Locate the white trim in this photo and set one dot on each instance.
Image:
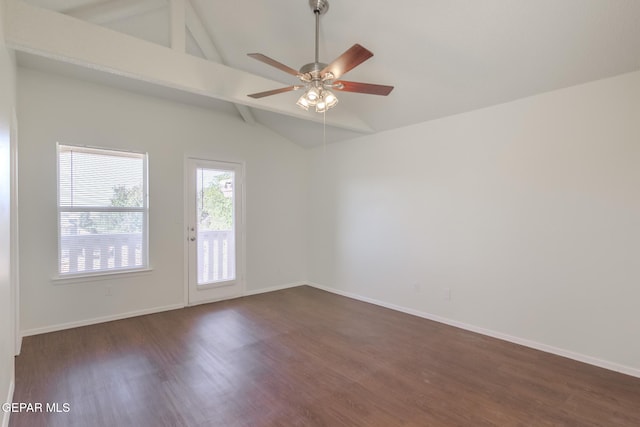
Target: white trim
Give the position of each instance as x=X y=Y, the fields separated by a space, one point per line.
x=243 y=228
x=185 y=224
x=144 y=209
x=273 y=288
x=191 y=163
x=99 y=150
x=95 y=320
x=105 y=275
x=18 y=343
x=634 y=372
x=6 y=415
x=14 y=267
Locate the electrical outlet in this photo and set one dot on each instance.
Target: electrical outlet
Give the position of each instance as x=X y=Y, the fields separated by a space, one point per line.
x=446 y=294
x=108 y=291
x=417 y=287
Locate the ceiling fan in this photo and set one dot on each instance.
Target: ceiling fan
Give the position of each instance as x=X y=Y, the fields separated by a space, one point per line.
x=318 y=79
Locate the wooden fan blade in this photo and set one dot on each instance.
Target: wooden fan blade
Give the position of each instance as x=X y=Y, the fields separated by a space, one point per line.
x=362 y=88
x=353 y=57
x=273 y=63
x=274 y=92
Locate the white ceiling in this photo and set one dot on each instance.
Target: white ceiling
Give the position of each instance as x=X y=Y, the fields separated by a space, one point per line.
x=444 y=57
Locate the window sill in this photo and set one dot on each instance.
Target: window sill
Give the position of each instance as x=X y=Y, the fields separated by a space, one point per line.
x=109 y=275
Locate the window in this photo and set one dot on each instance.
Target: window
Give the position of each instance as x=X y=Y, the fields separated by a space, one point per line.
x=102 y=210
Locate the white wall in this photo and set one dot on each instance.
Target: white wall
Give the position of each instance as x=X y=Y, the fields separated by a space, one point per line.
x=57 y=109
x=7 y=298
x=529 y=212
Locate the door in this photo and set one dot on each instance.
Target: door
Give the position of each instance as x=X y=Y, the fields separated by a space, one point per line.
x=215 y=230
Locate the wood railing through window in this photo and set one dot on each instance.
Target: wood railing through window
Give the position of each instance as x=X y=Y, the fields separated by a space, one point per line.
x=90 y=253
x=216 y=256
x=93 y=253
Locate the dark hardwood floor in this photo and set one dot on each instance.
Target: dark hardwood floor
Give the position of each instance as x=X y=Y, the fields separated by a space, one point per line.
x=307 y=357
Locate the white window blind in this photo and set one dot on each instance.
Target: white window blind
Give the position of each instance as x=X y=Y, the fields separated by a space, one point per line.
x=102 y=210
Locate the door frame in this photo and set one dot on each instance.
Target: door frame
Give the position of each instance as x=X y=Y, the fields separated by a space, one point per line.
x=241 y=233
x=14 y=267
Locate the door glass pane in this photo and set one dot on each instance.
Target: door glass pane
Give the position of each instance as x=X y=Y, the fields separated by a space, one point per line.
x=215 y=191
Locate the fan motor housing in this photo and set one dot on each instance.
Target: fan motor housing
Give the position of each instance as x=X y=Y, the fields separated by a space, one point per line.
x=319 y=6
x=313 y=68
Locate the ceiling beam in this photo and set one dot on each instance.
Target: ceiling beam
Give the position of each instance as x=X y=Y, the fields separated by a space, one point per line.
x=182 y=14
x=63 y=38
x=177 y=25
x=246 y=114
x=202 y=37
x=114 y=10
x=205 y=42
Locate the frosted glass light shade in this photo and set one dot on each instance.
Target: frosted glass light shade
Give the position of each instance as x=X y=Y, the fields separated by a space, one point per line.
x=330 y=99
x=313 y=95
x=321 y=106
x=320 y=98
x=303 y=103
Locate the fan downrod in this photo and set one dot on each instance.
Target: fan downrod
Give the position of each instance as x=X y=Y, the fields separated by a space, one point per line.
x=319 y=6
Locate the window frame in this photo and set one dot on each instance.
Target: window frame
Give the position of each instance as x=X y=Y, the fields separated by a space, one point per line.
x=145 y=266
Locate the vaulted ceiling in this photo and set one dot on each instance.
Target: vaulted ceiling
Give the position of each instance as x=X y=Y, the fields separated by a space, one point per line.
x=444 y=57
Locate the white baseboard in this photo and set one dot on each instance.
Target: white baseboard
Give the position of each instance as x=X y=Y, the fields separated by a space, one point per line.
x=93 y=321
x=273 y=288
x=6 y=415
x=499 y=335
x=494 y=334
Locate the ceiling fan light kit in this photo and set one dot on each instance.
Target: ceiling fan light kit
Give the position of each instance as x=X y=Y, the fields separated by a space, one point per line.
x=317 y=78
